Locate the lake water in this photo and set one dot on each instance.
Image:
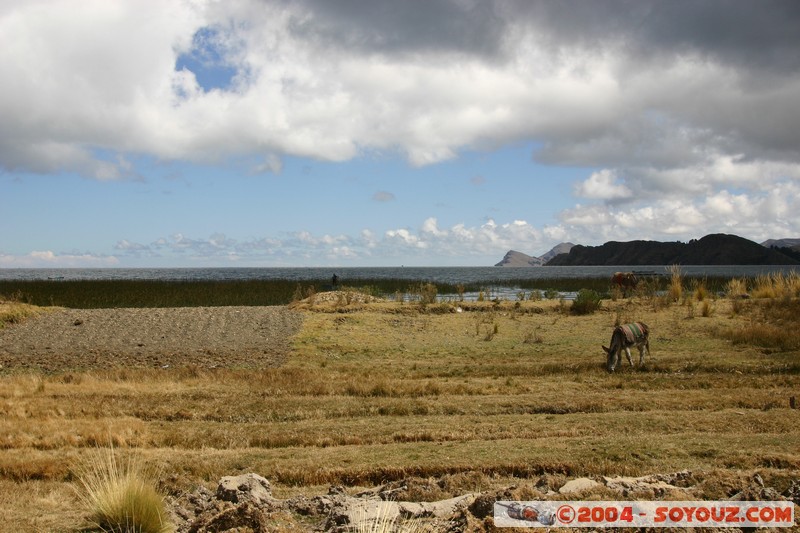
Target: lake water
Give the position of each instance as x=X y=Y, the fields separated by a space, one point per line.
x=499 y=281
x=490 y=275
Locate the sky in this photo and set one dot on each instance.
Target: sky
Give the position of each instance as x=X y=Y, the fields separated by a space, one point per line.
x=210 y=133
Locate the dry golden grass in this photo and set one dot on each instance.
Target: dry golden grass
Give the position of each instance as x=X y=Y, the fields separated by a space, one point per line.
x=383 y=391
x=120 y=495
x=12 y=312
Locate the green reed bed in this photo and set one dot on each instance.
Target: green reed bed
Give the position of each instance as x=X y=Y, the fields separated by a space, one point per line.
x=95 y=294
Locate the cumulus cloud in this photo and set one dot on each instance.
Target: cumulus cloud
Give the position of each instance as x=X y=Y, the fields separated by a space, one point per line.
x=598 y=82
x=676 y=108
x=394 y=246
x=50 y=259
x=757 y=214
x=603 y=185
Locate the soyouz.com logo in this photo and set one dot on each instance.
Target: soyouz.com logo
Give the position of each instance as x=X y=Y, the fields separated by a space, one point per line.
x=643 y=514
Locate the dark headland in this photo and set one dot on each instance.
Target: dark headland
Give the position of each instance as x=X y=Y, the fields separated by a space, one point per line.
x=715 y=249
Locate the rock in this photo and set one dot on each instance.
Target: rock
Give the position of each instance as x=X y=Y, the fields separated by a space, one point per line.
x=793 y=492
x=627 y=485
x=245 y=488
x=235 y=518
x=350 y=513
x=579 y=485
x=483 y=505
x=440 y=509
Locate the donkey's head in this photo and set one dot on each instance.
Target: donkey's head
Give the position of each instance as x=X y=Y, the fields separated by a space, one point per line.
x=612 y=357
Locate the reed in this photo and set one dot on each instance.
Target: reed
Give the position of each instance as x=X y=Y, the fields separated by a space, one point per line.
x=95 y=294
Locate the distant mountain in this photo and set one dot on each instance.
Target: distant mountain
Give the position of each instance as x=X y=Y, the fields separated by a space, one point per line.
x=558 y=249
x=790 y=247
x=782 y=243
x=716 y=249
x=519 y=259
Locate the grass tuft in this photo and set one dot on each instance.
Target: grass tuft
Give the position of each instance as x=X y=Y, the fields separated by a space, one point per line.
x=14 y=312
x=675 y=290
x=121 y=497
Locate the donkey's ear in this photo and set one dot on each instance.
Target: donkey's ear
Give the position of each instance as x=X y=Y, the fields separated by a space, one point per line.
x=605 y=349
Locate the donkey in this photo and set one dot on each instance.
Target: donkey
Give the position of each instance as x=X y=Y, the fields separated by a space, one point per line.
x=624 y=338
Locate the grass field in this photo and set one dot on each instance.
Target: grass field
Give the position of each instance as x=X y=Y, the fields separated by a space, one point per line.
x=497 y=394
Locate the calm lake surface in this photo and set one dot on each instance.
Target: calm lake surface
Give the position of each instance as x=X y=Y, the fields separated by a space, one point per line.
x=493 y=275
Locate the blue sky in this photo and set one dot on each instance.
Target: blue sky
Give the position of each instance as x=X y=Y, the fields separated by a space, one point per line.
x=445 y=132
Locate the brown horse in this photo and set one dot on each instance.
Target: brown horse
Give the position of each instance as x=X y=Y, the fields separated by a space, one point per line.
x=624 y=281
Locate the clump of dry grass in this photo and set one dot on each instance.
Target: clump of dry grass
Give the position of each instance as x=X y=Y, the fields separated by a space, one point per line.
x=13 y=312
x=775 y=325
x=121 y=497
x=736 y=288
x=701 y=292
x=386 y=519
x=777 y=285
x=675 y=290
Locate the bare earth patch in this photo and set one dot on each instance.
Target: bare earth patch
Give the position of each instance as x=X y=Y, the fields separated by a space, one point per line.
x=71 y=339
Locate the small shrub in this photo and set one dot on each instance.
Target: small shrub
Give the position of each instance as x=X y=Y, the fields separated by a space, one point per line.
x=460 y=289
x=551 y=294
x=586 y=303
x=426 y=292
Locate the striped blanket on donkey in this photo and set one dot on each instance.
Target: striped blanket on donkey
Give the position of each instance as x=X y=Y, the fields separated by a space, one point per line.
x=624 y=338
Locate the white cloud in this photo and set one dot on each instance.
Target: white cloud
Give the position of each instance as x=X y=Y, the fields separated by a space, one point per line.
x=603 y=185
x=50 y=259
x=78 y=77
x=683 y=130
x=757 y=214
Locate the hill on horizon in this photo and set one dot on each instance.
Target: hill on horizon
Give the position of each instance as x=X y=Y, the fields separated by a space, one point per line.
x=715 y=249
x=514 y=258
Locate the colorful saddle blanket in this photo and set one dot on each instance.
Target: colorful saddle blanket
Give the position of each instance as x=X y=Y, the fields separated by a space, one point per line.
x=634 y=332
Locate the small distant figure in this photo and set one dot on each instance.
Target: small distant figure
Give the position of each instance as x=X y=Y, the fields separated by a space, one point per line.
x=334 y=282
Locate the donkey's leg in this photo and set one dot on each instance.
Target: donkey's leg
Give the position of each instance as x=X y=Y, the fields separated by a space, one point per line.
x=628 y=355
x=641 y=354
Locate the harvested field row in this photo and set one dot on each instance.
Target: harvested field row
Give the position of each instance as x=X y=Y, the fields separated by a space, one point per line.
x=376 y=393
